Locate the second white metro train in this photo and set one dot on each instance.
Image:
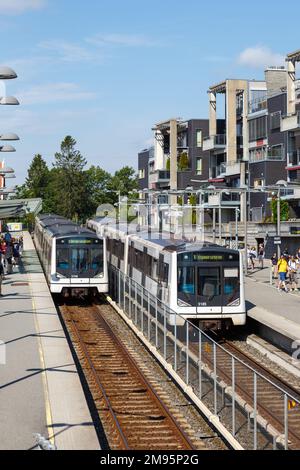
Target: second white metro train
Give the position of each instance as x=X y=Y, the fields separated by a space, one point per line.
x=201 y=282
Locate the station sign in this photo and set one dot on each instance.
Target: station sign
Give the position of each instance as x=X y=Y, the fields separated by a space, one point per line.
x=15 y=227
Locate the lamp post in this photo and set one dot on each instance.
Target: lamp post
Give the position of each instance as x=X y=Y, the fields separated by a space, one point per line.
x=279 y=184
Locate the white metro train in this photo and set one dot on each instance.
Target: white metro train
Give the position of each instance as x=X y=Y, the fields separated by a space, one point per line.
x=201 y=282
x=73 y=258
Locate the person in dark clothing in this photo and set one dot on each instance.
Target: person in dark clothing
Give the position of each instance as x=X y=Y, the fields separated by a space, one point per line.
x=1 y=278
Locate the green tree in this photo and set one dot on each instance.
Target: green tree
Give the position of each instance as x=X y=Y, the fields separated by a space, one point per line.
x=70 y=182
x=37 y=180
x=38 y=177
x=124 y=181
x=284 y=210
x=98 y=181
x=184 y=162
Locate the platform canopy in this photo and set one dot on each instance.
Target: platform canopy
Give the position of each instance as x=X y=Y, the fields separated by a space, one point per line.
x=19 y=207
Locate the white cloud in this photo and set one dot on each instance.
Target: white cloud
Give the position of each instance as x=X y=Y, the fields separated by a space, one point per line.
x=69 y=52
x=125 y=40
x=260 y=56
x=16 y=7
x=53 y=93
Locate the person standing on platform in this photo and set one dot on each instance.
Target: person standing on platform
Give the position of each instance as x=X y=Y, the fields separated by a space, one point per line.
x=274 y=261
x=1 y=278
x=16 y=253
x=261 y=255
x=282 y=266
x=9 y=256
x=293 y=268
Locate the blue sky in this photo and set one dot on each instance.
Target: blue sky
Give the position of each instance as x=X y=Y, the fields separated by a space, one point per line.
x=106 y=71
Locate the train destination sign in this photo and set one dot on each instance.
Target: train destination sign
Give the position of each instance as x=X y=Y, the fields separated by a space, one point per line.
x=203 y=257
x=78 y=241
x=208 y=257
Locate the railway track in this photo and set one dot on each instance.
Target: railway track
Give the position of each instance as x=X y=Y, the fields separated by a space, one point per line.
x=269 y=399
x=132 y=413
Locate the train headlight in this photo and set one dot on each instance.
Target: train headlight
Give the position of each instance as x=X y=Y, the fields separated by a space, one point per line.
x=100 y=276
x=60 y=276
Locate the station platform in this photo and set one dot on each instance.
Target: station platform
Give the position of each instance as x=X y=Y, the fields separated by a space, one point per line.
x=40 y=389
x=277 y=313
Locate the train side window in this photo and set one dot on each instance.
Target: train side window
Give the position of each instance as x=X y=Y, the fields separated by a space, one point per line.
x=163 y=270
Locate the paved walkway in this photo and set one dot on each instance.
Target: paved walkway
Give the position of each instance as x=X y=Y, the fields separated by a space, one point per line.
x=40 y=390
x=280 y=310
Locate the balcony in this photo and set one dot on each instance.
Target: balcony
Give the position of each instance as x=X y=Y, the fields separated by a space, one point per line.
x=290 y=194
x=264 y=154
x=159 y=176
x=233 y=168
x=218 y=171
x=258 y=105
x=293 y=159
x=214 y=142
x=290 y=122
x=224 y=199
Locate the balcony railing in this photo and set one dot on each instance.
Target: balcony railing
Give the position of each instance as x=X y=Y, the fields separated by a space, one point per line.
x=261 y=155
x=218 y=171
x=258 y=105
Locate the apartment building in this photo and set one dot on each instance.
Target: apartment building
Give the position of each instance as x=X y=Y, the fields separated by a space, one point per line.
x=251 y=140
x=177 y=159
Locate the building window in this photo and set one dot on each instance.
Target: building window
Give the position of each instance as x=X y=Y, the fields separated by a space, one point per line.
x=199 y=166
x=141 y=174
x=275 y=119
x=259 y=183
x=199 y=138
x=276 y=152
x=258 y=128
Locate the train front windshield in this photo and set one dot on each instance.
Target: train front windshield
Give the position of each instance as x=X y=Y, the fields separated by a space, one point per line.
x=208 y=279
x=79 y=257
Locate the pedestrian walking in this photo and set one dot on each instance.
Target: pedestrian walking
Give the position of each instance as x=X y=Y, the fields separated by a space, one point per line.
x=293 y=273
x=282 y=266
x=261 y=255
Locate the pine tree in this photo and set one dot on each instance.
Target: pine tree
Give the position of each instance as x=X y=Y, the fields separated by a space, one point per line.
x=70 y=184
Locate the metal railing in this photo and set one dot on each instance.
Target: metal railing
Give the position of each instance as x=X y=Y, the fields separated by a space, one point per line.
x=257 y=105
x=218 y=139
x=211 y=372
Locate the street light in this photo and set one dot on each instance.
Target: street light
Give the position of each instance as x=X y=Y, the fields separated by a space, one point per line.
x=279 y=184
x=7 y=148
x=6 y=73
x=9 y=137
x=9 y=101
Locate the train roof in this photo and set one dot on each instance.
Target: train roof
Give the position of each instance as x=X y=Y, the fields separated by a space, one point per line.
x=179 y=245
x=61 y=227
x=161 y=239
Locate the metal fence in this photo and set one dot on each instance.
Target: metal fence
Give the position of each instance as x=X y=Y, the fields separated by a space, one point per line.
x=238 y=395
